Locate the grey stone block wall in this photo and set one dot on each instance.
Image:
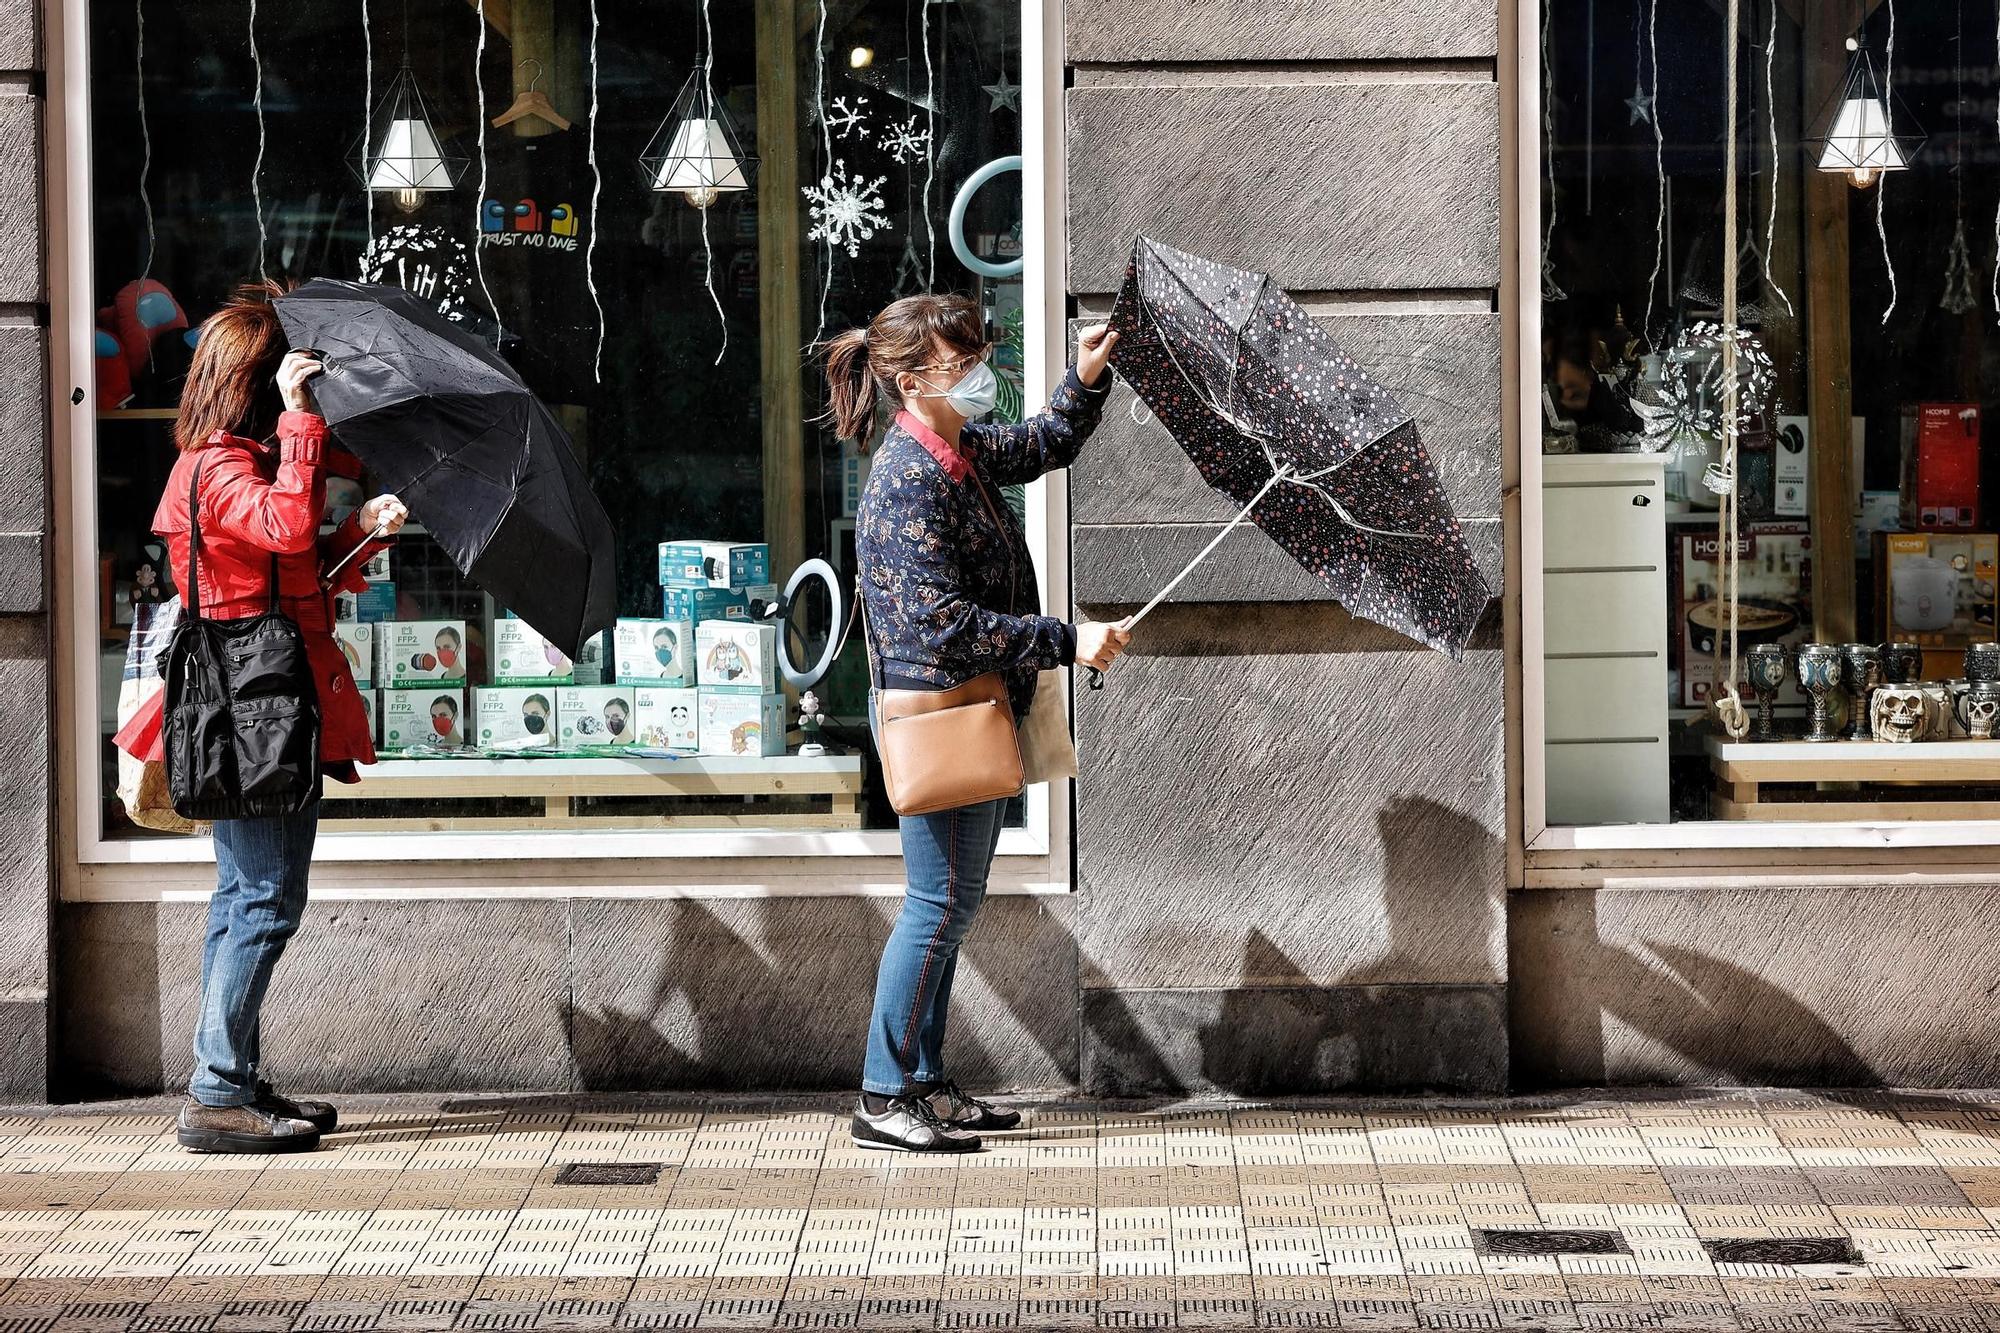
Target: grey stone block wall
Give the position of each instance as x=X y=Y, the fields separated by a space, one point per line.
x=27 y=808
x=1290 y=827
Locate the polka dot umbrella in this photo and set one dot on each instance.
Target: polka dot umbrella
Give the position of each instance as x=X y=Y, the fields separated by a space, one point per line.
x=1310 y=446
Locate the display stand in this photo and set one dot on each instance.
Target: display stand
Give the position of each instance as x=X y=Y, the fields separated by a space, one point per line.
x=696 y=782
x=1743 y=769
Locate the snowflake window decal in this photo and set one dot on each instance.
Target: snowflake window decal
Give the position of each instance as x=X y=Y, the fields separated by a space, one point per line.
x=906 y=141
x=847 y=122
x=846 y=210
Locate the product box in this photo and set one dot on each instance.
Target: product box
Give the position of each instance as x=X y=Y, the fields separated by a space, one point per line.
x=1940 y=476
x=593 y=662
x=669 y=716
x=521 y=656
x=372 y=607
x=371 y=708
x=509 y=715
x=699 y=564
x=736 y=656
x=589 y=715
x=376 y=567
x=1792 y=468
x=1774 y=606
x=423 y=717
x=741 y=724
x=343 y=496
x=695 y=605
x=654 y=651
x=1936 y=589
x=422 y=652
x=357 y=645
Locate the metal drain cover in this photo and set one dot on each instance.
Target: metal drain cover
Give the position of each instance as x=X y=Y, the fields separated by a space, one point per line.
x=610 y=1173
x=1791 y=1250
x=1486 y=1241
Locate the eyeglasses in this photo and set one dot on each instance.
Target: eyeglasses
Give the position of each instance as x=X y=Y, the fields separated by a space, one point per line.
x=964 y=362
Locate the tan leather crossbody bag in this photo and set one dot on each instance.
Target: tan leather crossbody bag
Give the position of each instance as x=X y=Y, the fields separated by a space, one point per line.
x=942 y=749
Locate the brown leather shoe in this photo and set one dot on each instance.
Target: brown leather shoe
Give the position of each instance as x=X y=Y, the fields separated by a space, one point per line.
x=247 y=1129
x=320 y=1115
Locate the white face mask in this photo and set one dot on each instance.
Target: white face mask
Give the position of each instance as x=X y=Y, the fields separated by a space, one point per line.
x=975 y=393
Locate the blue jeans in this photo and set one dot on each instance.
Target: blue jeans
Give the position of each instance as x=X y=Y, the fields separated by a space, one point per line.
x=946 y=857
x=260 y=896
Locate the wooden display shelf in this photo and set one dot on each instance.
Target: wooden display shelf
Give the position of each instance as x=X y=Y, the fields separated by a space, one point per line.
x=140 y=414
x=1744 y=768
x=557 y=783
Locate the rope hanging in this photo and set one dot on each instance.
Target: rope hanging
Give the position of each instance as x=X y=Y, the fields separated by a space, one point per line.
x=1729 y=708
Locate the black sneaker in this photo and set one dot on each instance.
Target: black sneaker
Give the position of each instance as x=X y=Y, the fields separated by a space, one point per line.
x=961 y=1110
x=910 y=1124
x=320 y=1115
x=242 y=1129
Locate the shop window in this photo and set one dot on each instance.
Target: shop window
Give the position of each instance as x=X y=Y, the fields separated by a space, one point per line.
x=1862 y=239
x=664 y=320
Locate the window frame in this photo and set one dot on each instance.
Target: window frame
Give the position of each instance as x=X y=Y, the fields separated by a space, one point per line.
x=1546 y=855
x=533 y=864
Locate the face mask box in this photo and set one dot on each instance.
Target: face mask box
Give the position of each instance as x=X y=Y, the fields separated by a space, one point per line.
x=371 y=607
x=357 y=645
x=422 y=717
x=655 y=651
x=669 y=717
x=740 y=658
x=695 y=605
x=375 y=568
x=742 y=724
x=731 y=565
x=423 y=652
x=521 y=656
x=590 y=715
x=593 y=662
x=507 y=714
x=371 y=709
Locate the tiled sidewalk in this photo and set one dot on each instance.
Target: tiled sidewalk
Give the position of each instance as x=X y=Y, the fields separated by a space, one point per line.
x=1375 y=1214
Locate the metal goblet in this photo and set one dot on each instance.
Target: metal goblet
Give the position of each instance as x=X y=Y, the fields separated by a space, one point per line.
x=1902 y=663
x=1861 y=673
x=1818 y=666
x=1766 y=672
x=1982 y=662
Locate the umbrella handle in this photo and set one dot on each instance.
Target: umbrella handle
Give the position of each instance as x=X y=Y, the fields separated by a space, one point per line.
x=1096 y=678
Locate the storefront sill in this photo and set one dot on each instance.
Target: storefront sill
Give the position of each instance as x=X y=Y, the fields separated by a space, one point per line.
x=378 y=880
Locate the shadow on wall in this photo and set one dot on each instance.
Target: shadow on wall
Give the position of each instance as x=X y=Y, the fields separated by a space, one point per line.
x=1369 y=1028
x=1728 y=1023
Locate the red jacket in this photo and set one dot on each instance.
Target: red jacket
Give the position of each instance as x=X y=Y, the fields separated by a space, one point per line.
x=255 y=501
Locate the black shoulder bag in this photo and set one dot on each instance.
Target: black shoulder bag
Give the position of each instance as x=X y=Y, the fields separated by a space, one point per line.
x=242 y=712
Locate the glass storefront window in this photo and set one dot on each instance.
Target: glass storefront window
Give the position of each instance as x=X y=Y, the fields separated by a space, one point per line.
x=1863 y=238
x=666 y=327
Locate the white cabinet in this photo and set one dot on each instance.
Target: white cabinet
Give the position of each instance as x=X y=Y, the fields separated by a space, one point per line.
x=1604 y=631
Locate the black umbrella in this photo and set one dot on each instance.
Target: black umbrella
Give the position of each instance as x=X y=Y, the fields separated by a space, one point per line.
x=1311 y=446
x=443 y=422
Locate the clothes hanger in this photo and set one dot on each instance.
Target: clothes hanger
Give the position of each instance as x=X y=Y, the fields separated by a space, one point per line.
x=533 y=102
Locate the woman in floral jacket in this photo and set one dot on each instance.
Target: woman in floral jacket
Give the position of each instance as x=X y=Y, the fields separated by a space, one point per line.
x=948 y=585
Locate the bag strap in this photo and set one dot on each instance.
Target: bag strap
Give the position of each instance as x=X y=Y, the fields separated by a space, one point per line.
x=875 y=676
x=193 y=599
x=1013 y=582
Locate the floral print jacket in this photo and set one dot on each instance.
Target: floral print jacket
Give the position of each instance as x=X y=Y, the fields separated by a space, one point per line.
x=947 y=580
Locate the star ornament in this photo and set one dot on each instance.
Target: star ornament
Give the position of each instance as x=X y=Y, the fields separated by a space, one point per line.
x=1640 y=104
x=1003 y=94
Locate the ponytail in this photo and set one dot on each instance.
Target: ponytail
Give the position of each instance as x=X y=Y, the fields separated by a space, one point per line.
x=862 y=364
x=850 y=385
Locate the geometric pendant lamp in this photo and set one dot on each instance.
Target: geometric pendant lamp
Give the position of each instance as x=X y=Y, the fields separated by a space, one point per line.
x=399 y=153
x=1865 y=129
x=696 y=150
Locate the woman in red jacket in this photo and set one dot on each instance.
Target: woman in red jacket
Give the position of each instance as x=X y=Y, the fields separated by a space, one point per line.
x=247 y=427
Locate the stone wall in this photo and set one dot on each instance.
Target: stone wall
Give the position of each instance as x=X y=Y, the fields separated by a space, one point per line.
x=1290 y=831
x=27 y=809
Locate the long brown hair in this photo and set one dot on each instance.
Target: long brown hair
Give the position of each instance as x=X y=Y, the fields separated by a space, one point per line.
x=862 y=364
x=231 y=383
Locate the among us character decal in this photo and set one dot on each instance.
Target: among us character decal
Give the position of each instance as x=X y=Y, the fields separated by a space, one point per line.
x=535 y=714
x=444 y=720
x=524 y=224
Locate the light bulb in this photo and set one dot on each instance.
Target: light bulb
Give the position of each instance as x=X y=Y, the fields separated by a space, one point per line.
x=409 y=200
x=861 y=57
x=1863 y=177
x=702 y=196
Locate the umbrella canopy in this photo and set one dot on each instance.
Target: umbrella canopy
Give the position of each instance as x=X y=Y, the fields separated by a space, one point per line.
x=1316 y=451
x=448 y=426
